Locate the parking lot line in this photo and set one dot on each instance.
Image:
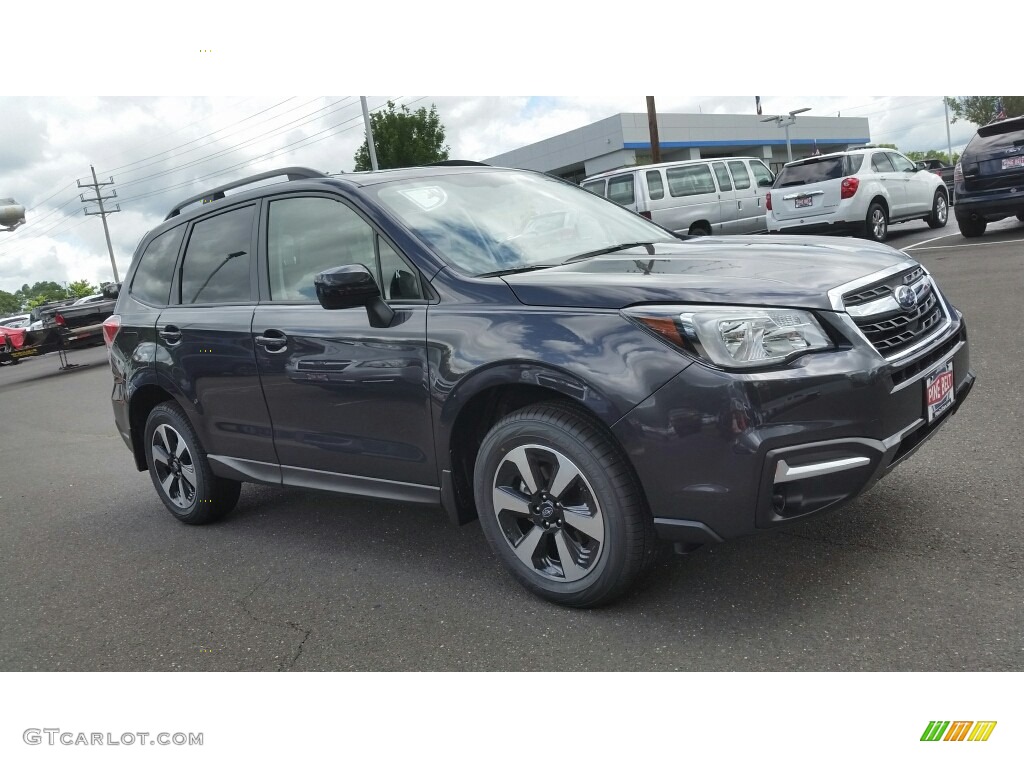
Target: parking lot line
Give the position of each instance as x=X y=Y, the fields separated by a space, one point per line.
x=932 y=240
x=969 y=245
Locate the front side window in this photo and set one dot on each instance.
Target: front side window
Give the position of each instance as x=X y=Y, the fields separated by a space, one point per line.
x=761 y=173
x=308 y=235
x=152 y=281
x=690 y=180
x=620 y=189
x=215 y=269
x=900 y=163
x=739 y=173
x=880 y=163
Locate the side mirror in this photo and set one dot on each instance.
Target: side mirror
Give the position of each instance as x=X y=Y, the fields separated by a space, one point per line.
x=111 y=290
x=353 y=286
x=765 y=182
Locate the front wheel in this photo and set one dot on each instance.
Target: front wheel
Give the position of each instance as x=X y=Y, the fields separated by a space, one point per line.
x=940 y=210
x=561 y=506
x=180 y=471
x=876 y=224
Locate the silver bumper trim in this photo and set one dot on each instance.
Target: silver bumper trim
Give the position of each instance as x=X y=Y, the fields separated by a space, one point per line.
x=786 y=474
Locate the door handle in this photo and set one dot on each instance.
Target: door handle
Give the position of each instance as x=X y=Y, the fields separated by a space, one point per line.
x=171 y=334
x=273 y=341
x=739 y=205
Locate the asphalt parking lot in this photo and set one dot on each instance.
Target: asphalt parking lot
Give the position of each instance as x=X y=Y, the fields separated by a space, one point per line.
x=922 y=573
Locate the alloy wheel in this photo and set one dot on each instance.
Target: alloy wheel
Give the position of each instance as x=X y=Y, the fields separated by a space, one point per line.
x=548 y=513
x=175 y=469
x=941 y=210
x=878 y=226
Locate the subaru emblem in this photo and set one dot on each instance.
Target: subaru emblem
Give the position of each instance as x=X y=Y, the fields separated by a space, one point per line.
x=906 y=297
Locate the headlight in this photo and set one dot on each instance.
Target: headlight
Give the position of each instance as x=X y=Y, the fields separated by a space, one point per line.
x=736 y=337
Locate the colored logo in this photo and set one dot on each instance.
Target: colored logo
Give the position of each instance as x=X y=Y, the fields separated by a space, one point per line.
x=958 y=730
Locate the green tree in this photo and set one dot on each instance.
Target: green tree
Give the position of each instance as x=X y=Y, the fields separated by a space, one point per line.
x=40 y=293
x=82 y=288
x=403 y=138
x=9 y=303
x=981 y=110
x=934 y=153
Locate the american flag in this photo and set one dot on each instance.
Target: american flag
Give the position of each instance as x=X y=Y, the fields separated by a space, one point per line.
x=1000 y=112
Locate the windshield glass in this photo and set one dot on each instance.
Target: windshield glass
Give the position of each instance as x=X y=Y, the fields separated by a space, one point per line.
x=506 y=220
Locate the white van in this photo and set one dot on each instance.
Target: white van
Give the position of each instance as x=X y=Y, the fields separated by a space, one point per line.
x=724 y=196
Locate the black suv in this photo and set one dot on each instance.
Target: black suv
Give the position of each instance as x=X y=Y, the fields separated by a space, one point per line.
x=511 y=346
x=989 y=179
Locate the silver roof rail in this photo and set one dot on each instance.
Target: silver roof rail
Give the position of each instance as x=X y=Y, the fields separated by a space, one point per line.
x=217 y=193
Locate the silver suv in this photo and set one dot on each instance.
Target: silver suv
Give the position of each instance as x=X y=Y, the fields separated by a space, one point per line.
x=858 y=192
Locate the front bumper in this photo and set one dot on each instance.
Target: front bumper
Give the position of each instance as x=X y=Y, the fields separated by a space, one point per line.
x=723 y=454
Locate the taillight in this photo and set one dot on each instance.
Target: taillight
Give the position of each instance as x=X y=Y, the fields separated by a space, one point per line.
x=59 y=319
x=849 y=187
x=110 y=328
x=958 y=174
x=768 y=201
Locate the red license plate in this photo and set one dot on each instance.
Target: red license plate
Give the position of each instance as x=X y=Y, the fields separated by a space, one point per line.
x=939 y=391
x=804 y=202
x=1013 y=162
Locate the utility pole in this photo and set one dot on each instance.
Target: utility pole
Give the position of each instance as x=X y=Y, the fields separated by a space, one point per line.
x=102 y=212
x=369 y=134
x=785 y=122
x=949 y=145
x=652 y=124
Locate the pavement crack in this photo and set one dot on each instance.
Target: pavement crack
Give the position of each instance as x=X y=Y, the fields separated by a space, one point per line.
x=287 y=664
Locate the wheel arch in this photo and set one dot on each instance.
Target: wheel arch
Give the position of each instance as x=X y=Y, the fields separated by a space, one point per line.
x=141 y=403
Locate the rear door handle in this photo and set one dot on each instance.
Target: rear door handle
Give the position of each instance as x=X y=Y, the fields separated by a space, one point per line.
x=171 y=334
x=273 y=340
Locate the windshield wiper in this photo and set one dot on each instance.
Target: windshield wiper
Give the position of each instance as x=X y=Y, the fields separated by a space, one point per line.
x=610 y=249
x=515 y=270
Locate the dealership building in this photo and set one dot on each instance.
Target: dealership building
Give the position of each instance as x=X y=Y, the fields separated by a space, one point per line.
x=624 y=139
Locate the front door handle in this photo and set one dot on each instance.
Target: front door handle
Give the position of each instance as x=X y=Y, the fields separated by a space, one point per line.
x=273 y=341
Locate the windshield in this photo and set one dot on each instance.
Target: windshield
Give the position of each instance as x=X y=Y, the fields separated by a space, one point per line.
x=498 y=221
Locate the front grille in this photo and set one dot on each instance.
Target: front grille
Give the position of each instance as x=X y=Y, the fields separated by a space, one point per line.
x=892 y=330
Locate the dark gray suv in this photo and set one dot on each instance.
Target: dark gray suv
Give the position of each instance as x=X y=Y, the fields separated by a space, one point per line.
x=516 y=349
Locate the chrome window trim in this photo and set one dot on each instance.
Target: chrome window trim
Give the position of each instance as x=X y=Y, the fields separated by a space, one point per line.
x=835 y=295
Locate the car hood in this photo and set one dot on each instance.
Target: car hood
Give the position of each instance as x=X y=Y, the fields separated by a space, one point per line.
x=759 y=270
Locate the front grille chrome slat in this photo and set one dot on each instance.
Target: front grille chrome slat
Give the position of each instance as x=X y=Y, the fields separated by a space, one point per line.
x=890 y=329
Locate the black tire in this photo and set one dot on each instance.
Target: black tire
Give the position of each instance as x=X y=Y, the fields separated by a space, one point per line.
x=700 y=230
x=614 y=542
x=876 y=223
x=1020 y=217
x=972 y=227
x=939 y=216
x=177 y=463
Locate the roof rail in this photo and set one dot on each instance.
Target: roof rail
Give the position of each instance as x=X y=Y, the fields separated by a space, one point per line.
x=217 y=193
x=454 y=162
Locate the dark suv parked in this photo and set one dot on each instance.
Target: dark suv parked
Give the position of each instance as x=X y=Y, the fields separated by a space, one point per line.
x=989 y=179
x=510 y=346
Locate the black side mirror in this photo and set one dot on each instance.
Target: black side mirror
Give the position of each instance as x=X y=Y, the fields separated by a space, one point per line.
x=765 y=182
x=353 y=286
x=111 y=290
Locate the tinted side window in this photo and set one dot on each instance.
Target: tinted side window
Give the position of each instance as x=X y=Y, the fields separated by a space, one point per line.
x=654 y=185
x=215 y=269
x=739 y=174
x=152 y=281
x=307 y=235
x=853 y=163
x=400 y=280
x=690 y=180
x=761 y=173
x=724 y=182
x=597 y=187
x=620 y=189
x=900 y=163
x=880 y=163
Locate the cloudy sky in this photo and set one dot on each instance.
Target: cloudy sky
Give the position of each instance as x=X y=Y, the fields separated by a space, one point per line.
x=162 y=149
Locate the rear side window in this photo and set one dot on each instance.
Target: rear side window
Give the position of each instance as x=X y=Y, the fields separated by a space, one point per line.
x=853 y=163
x=690 y=180
x=880 y=163
x=620 y=189
x=215 y=269
x=152 y=281
x=597 y=187
x=739 y=174
x=724 y=182
x=654 y=185
x=811 y=172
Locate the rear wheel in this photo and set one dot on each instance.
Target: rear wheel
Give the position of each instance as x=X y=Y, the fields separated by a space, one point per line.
x=700 y=230
x=972 y=227
x=876 y=224
x=561 y=507
x=940 y=210
x=180 y=471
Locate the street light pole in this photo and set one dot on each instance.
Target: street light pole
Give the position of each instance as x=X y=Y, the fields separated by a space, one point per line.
x=785 y=122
